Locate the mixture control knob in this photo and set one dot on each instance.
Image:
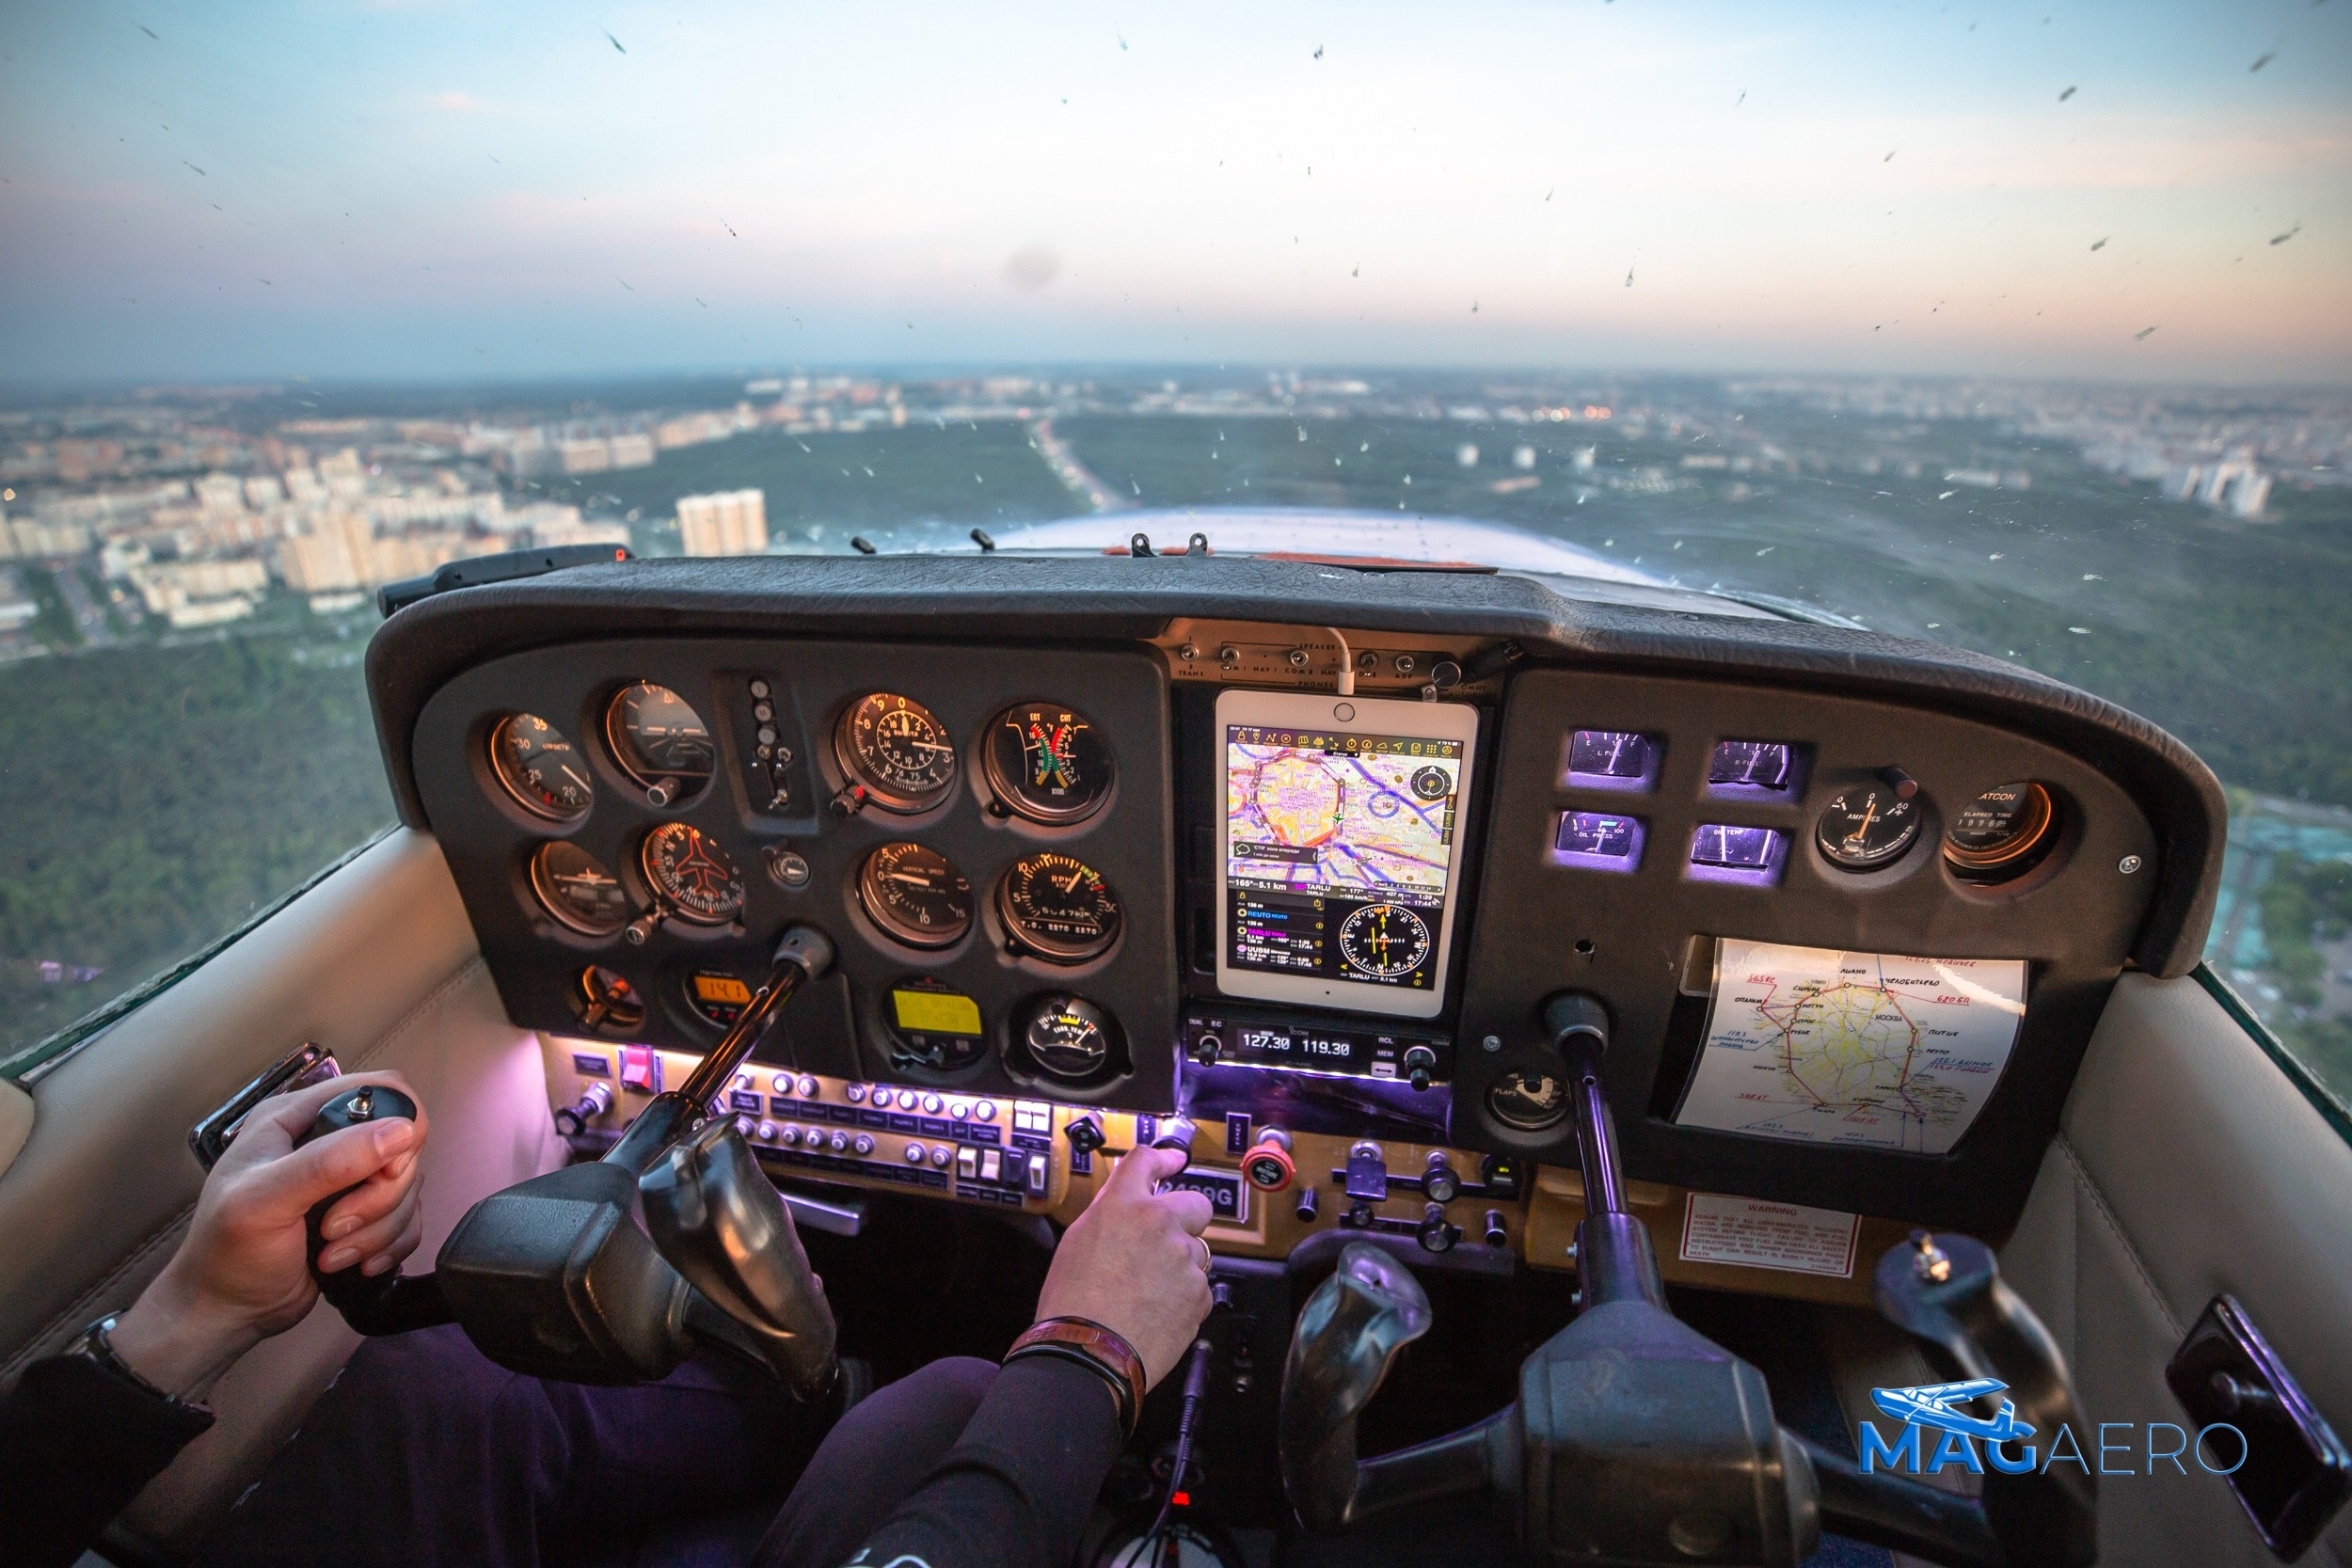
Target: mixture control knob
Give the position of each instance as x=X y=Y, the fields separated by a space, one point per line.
x=1420 y=1062
x=1498 y=1233
x=1434 y=1233
x=1440 y=1183
x=573 y=1120
x=1086 y=1134
x=1268 y=1165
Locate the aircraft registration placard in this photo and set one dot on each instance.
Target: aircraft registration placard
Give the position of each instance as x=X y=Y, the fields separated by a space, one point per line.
x=1873 y=1050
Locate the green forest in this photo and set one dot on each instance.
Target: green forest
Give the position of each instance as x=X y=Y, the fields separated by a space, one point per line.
x=157 y=797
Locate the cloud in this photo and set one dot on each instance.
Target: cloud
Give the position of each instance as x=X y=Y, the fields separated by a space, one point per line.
x=456 y=103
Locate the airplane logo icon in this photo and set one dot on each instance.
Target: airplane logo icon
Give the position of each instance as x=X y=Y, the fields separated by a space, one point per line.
x=1930 y=1405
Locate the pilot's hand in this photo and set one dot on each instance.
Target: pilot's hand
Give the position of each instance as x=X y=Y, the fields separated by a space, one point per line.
x=243 y=1272
x=1132 y=1262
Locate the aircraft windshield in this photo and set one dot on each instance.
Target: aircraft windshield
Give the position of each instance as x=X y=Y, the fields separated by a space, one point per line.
x=2026 y=331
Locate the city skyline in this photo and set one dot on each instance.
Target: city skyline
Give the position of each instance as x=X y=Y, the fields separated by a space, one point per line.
x=2103 y=192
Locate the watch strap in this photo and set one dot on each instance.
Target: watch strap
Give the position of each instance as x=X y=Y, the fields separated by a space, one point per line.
x=96 y=1346
x=1087 y=1343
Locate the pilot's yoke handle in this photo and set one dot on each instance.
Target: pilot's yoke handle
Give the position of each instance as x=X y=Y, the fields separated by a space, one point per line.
x=1635 y=1439
x=555 y=1277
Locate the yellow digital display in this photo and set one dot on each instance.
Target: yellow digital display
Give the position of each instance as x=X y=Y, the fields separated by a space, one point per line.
x=722 y=988
x=936 y=1012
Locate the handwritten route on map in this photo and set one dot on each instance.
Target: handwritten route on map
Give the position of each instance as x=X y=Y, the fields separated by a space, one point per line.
x=1869 y=1048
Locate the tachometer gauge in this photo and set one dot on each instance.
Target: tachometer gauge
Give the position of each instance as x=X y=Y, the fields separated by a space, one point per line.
x=691 y=875
x=1386 y=941
x=916 y=894
x=1867 y=827
x=1047 y=763
x=574 y=886
x=659 y=740
x=2002 y=833
x=1059 y=907
x=895 y=749
x=1069 y=1039
x=536 y=763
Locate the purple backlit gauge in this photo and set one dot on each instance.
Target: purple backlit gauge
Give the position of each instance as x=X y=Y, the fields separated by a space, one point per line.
x=1762 y=765
x=1725 y=852
x=1602 y=839
x=1612 y=759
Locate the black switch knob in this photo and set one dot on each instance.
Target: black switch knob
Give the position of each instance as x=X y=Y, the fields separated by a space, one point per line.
x=1434 y=1233
x=1084 y=1133
x=573 y=1120
x=1438 y=1183
x=1498 y=1233
x=1308 y=1204
x=1420 y=1062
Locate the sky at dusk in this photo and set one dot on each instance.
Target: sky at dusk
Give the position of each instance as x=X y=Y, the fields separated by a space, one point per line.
x=444 y=190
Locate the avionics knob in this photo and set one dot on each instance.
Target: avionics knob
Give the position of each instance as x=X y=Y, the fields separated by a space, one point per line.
x=1207 y=1049
x=1420 y=1062
x=573 y=1120
x=1268 y=1165
x=1438 y=1183
x=1434 y=1233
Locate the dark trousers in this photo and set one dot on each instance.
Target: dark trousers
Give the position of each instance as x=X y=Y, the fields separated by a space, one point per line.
x=423 y=1452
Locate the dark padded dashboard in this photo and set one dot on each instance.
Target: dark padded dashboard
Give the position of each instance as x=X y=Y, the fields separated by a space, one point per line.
x=967 y=637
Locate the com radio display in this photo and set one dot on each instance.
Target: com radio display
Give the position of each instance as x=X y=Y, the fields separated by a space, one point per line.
x=1340 y=858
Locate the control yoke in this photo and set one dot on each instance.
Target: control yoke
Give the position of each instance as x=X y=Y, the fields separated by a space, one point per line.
x=555 y=1277
x=1635 y=1439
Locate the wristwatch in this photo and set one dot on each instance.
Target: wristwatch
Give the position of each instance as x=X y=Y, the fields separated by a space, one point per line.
x=95 y=1346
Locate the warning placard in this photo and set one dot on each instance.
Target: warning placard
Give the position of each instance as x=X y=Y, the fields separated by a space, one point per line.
x=1756 y=1234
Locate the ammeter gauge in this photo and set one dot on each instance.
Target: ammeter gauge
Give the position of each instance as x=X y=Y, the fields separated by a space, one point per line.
x=1867 y=827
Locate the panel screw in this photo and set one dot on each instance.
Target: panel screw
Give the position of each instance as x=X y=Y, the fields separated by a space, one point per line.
x=2128 y=865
